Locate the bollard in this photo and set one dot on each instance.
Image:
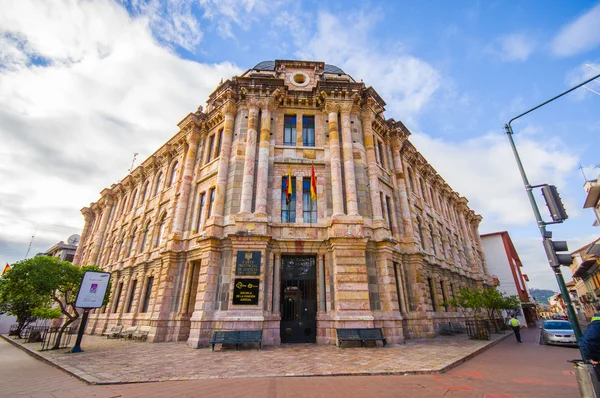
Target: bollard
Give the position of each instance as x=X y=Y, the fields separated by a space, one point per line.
x=589 y=386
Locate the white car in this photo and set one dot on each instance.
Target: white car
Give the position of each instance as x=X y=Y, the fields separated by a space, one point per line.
x=557 y=332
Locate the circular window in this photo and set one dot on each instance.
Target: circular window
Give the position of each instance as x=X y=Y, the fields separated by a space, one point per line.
x=299 y=79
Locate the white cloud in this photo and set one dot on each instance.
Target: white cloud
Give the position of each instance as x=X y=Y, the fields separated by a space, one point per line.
x=484 y=170
x=513 y=47
x=75 y=105
x=406 y=82
x=579 y=36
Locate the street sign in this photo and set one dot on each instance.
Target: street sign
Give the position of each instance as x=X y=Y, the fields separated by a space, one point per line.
x=92 y=289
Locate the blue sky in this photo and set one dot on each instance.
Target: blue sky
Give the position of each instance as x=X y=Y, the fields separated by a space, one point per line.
x=84 y=85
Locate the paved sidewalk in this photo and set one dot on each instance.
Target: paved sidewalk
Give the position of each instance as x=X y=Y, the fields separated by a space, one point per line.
x=107 y=361
x=506 y=370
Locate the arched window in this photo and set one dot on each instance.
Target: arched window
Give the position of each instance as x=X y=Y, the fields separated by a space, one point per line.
x=145 y=237
x=161 y=229
x=432 y=239
x=119 y=247
x=157 y=183
x=123 y=204
x=420 y=230
x=422 y=183
x=133 y=199
x=411 y=184
x=132 y=242
x=145 y=191
x=174 y=170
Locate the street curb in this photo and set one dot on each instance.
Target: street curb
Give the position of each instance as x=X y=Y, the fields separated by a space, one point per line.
x=92 y=380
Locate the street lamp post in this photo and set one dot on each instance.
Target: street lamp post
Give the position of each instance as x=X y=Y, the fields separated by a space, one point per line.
x=546 y=235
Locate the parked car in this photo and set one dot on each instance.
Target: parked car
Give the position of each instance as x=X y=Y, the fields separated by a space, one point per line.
x=557 y=332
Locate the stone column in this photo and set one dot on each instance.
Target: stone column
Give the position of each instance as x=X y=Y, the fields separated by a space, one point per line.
x=188 y=170
x=322 y=288
x=331 y=108
x=367 y=120
x=401 y=289
x=101 y=230
x=276 y=282
x=351 y=198
x=228 y=109
x=88 y=218
x=405 y=212
x=124 y=301
x=250 y=158
x=144 y=286
x=262 y=183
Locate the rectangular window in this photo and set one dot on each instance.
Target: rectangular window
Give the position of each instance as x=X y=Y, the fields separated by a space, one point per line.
x=380 y=153
x=200 y=211
x=308 y=130
x=384 y=213
x=147 y=294
x=118 y=297
x=212 y=201
x=388 y=206
x=289 y=130
x=211 y=144
x=309 y=208
x=131 y=295
x=219 y=142
x=431 y=293
x=444 y=298
x=288 y=210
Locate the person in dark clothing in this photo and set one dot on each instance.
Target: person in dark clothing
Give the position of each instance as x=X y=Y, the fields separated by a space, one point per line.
x=516 y=327
x=590 y=343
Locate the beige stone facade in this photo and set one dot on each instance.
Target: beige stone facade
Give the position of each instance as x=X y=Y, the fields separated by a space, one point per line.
x=385 y=244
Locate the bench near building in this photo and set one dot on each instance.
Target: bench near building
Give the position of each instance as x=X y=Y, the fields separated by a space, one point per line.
x=288 y=205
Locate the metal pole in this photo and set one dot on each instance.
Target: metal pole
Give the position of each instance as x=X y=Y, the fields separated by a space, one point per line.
x=541 y=225
x=84 y=318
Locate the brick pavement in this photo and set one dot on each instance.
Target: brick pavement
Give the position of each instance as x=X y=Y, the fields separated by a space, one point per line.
x=506 y=370
x=118 y=361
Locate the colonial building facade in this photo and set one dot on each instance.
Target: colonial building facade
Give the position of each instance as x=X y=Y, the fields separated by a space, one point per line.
x=219 y=228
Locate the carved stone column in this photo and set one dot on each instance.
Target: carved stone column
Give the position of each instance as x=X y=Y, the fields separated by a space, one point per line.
x=88 y=218
x=188 y=170
x=101 y=230
x=228 y=109
x=250 y=158
x=367 y=120
x=405 y=212
x=262 y=183
x=351 y=199
x=331 y=108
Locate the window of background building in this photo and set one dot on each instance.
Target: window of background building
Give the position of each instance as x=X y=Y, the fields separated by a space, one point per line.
x=212 y=201
x=161 y=229
x=308 y=130
x=288 y=211
x=289 y=130
x=158 y=182
x=380 y=153
x=147 y=294
x=118 y=297
x=200 y=210
x=174 y=173
x=131 y=295
x=209 y=149
x=309 y=208
x=145 y=236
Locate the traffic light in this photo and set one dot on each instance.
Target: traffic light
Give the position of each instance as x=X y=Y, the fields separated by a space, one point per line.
x=557 y=259
x=554 y=203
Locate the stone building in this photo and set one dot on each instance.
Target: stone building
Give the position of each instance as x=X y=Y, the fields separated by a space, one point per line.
x=218 y=229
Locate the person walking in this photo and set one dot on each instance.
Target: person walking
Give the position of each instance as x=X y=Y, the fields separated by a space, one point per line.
x=516 y=327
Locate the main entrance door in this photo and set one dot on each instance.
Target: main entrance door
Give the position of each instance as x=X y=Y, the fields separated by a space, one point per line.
x=298 y=299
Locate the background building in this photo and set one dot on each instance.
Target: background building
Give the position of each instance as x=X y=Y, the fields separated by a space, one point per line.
x=218 y=229
x=504 y=264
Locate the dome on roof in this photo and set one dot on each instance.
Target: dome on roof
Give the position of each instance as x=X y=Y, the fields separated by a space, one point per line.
x=270 y=66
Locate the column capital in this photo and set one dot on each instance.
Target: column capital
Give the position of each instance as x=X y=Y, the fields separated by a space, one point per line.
x=268 y=104
x=193 y=137
x=252 y=103
x=87 y=214
x=331 y=106
x=346 y=107
x=229 y=108
x=367 y=113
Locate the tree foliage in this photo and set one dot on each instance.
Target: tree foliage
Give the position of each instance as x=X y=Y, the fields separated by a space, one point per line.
x=489 y=299
x=45 y=287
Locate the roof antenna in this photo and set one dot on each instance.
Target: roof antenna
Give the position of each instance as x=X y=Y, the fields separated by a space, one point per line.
x=133 y=161
x=582 y=172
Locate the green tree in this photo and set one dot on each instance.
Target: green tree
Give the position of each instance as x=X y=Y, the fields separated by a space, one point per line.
x=468 y=298
x=47 y=282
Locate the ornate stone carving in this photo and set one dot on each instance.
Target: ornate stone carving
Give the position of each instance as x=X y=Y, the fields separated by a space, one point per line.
x=228 y=108
x=345 y=106
x=331 y=106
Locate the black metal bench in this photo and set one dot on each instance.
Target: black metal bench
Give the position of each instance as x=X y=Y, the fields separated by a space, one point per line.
x=362 y=335
x=237 y=337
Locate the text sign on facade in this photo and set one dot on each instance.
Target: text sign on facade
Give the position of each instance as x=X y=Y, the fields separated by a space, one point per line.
x=247 y=263
x=245 y=292
x=92 y=289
